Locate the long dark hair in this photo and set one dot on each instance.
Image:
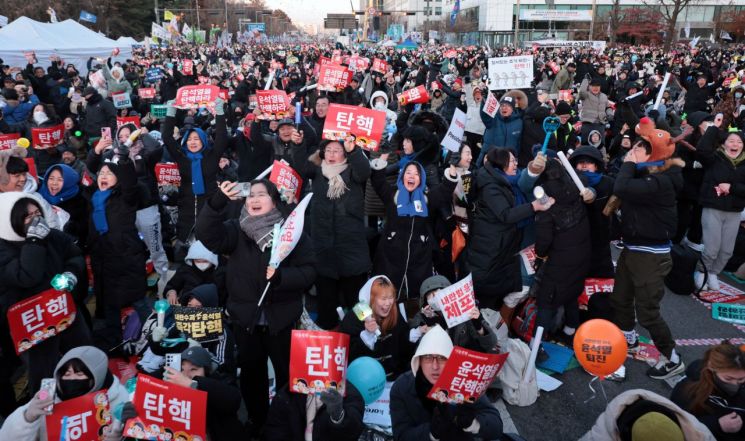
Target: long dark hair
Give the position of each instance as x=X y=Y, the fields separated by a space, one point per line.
x=724 y=356
x=18 y=215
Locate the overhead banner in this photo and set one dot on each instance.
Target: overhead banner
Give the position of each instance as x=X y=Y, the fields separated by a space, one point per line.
x=318 y=361
x=555 y=15
x=594 y=44
x=510 y=72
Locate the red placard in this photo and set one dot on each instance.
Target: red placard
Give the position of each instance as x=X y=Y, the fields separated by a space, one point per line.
x=593 y=285
x=191 y=97
x=8 y=141
x=380 y=66
x=417 y=95
x=318 y=361
x=123 y=369
x=46 y=137
x=163 y=407
x=84 y=418
x=224 y=94
x=31 y=167
x=146 y=93
x=367 y=125
x=167 y=173
x=451 y=53
x=337 y=59
x=333 y=78
x=324 y=61
x=187 y=67
x=566 y=95
x=121 y=120
x=466 y=376
x=40 y=317
x=286 y=179
x=358 y=64
x=274 y=104
x=554 y=67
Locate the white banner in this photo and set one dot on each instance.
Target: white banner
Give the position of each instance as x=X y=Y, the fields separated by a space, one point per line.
x=510 y=72
x=595 y=45
x=454 y=137
x=159 y=32
x=555 y=15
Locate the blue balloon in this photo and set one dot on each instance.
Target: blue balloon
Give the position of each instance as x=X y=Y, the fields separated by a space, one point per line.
x=368 y=376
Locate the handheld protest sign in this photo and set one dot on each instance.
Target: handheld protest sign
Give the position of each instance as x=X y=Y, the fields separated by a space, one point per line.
x=457 y=301
x=600 y=347
x=466 y=376
x=46 y=137
x=200 y=324
x=287 y=180
x=84 y=418
x=191 y=97
x=550 y=125
x=318 y=361
x=8 y=141
x=274 y=104
x=40 y=317
x=367 y=125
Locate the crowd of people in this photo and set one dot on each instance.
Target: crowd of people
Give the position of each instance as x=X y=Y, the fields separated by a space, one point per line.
x=386 y=228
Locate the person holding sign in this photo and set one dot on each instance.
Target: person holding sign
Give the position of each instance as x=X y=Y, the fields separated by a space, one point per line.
x=115 y=80
x=260 y=333
x=415 y=417
x=44 y=157
x=82 y=370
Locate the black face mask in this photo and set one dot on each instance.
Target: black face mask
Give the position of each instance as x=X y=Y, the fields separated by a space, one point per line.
x=728 y=388
x=69 y=389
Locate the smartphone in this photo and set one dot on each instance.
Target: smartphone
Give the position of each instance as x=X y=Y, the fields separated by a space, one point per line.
x=173 y=361
x=245 y=189
x=48 y=387
x=106 y=132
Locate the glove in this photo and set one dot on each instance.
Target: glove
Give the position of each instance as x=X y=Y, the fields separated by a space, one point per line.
x=128 y=412
x=159 y=333
x=71 y=280
x=334 y=404
x=37 y=407
x=439 y=424
x=219 y=106
x=38 y=229
x=170 y=110
x=588 y=195
x=538 y=164
x=464 y=415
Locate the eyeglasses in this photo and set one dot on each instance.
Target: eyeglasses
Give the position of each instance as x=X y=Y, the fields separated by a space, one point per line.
x=432 y=358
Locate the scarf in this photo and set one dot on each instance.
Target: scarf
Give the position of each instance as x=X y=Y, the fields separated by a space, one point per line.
x=422 y=386
x=734 y=161
x=593 y=178
x=414 y=203
x=519 y=196
x=197 y=180
x=99 y=210
x=405 y=159
x=333 y=172
x=643 y=165
x=260 y=228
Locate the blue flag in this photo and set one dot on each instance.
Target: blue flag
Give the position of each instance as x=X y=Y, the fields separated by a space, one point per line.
x=87 y=16
x=454 y=14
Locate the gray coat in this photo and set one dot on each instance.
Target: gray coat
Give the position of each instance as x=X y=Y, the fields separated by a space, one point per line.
x=594 y=107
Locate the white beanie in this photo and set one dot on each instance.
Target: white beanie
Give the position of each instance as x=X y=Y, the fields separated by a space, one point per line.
x=435 y=342
x=197 y=250
x=364 y=295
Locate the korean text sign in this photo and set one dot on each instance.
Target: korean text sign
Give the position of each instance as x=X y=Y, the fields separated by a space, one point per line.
x=367 y=125
x=46 y=137
x=289 y=233
x=491 y=105
x=318 y=361
x=167 y=174
x=84 y=418
x=333 y=78
x=417 y=95
x=122 y=100
x=273 y=104
x=466 y=376
x=592 y=286
x=8 y=141
x=121 y=120
x=286 y=179
x=163 y=407
x=457 y=301
x=40 y=317
x=380 y=66
x=146 y=92
x=190 y=97
x=358 y=64
x=510 y=72
x=200 y=324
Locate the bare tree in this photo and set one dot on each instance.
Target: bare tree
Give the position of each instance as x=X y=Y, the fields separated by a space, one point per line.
x=670 y=10
x=614 y=20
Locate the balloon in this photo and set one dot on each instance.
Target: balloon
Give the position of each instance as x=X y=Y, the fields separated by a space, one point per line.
x=23 y=142
x=368 y=376
x=600 y=347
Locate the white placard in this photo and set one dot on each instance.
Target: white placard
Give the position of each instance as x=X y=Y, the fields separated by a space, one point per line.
x=379 y=412
x=454 y=137
x=122 y=100
x=457 y=301
x=510 y=72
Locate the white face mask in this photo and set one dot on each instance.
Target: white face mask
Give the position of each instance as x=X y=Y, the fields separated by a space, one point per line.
x=379 y=106
x=202 y=266
x=398 y=79
x=40 y=117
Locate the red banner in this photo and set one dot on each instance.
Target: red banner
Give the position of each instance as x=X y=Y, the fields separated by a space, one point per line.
x=358 y=64
x=367 y=125
x=40 y=317
x=318 y=361
x=286 y=179
x=8 y=141
x=333 y=78
x=167 y=173
x=592 y=286
x=224 y=94
x=451 y=54
x=84 y=418
x=46 y=137
x=187 y=67
x=273 y=104
x=466 y=376
x=417 y=95
x=121 y=120
x=146 y=93
x=166 y=407
x=380 y=66
x=190 y=97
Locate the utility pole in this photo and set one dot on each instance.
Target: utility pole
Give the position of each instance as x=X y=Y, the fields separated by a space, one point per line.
x=227 y=27
x=157 y=15
x=592 y=22
x=517 y=22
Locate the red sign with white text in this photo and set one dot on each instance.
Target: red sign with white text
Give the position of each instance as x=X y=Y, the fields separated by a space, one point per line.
x=333 y=78
x=166 y=407
x=367 y=125
x=83 y=418
x=191 y=97
x=40 y=317
x=46 y=137
x=121 y=120
x=491 y=105
x=166 y=173
x=417 y=95
x=592 y=286
x=286 y=179
x=358 y=64
x=318 y=361
x=187 y=67
x=8 y=141
x=466 y=376
x=451 y=54
x=146 y=93
x=380 y=66
x=274 y=104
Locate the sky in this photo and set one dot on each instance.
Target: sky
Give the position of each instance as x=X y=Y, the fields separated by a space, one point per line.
x=312 y=11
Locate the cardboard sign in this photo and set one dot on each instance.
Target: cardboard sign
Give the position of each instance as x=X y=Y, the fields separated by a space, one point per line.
x=378 y=413
x=318 y=361
x=417 y=95
x=187 y=67
x=466 y=375
x=191 y=97
x=457 y=301
x=286 y=179
x=593 y=285
x=8 y=141
x=454 y=137
x=146 y=93
x=333 y=78
x=166 y=407
x=273 y=104
x=358 y=64
x=367 y=125
x=153 y=75
x=83 y=418
x=201 y=324
x=510 y=72
x=729 y=312
x=121 y=120
x=380 y=66
x=528 y=257
x=40 y=317
x=491 y=105
x=167 y=173
x=158 y=110
x=122 y=100
x=46 y=137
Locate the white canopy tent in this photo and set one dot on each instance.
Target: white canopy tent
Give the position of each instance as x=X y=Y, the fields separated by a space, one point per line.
x=73 y=42
x=128 y=41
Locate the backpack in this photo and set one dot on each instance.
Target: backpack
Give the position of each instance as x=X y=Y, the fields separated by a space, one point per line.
x=523 y=321
x=680 y=279
x=514 y=390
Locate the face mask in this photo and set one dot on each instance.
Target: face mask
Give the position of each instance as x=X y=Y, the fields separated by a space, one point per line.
x=40 y=117
x=728 y=388
x=398 y=79
x=738 y=95
x=433 y=304
x=73 y=388
x=379 y=106
x=202 y=266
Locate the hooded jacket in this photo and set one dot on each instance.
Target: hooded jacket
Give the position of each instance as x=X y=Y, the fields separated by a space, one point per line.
x=718 y=168
x=99 y=113
x=114 y=85
x=390 y=115
x=71 y=200
x=188 y=276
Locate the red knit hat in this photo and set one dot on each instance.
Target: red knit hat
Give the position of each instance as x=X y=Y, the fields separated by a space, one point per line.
x=458 y=81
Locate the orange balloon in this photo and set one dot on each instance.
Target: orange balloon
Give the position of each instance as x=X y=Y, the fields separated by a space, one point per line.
x=600 y=347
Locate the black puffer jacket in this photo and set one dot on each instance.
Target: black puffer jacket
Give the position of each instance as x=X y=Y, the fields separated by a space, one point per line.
x=99 y=113
x=718 y=169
